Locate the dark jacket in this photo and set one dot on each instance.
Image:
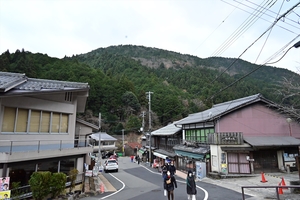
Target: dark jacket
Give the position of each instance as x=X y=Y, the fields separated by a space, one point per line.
x=172 y=169
x=190 y=184
x=170 y=186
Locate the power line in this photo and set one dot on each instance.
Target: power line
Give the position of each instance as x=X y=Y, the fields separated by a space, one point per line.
x=270 y=27
x=241 y=30
x=223 y=89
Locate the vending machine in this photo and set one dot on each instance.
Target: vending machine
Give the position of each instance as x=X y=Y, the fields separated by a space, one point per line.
x=200 y=170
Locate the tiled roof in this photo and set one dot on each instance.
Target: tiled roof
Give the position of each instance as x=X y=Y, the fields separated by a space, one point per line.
x=16 y=82
x=104 y=137
x=222 y=109
x=10 y=80
x=170 y=129
x=87 y=123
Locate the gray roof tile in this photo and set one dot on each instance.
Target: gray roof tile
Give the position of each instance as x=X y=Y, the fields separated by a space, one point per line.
x=221 y=109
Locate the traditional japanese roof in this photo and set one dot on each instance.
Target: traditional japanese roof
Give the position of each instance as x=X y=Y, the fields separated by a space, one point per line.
x=170 y=129
x=93 y=126
x=20 y=84
x=222 y=109
x=104 y=137
x=267 y=141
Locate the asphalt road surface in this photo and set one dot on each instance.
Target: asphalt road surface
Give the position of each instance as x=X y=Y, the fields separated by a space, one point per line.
x=137 y=182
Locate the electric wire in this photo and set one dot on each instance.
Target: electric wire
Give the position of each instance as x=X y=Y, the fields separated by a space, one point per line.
x=240 y=30
x=272 y=25
x=267 y=37
x=223 y=89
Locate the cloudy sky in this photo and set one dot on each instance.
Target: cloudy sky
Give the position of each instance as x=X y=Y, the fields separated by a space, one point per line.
x=203 y=28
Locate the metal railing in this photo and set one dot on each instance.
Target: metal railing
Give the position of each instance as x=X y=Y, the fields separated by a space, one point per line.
x=10 y=146
x=277 y=188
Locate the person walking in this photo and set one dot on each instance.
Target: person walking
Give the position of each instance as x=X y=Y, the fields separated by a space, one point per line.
x=164 y=171
x=169 y=184
x=191 y=186
x=172 y=168
x=138 y=159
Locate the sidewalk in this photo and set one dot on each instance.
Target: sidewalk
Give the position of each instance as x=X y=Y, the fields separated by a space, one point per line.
x=265 y=179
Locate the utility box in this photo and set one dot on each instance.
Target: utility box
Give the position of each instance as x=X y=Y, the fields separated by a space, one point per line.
x=200 y=170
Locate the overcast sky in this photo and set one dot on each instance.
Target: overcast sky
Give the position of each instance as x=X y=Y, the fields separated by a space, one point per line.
x=203 y=28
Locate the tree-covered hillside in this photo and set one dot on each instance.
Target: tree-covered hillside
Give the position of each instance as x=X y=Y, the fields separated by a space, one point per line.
x=120 y=76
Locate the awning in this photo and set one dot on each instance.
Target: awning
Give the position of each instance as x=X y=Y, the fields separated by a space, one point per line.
x=271 y=141
x=160 y=155
x=190 y=155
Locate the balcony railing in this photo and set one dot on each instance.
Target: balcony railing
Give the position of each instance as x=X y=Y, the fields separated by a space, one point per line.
x=10 y=146
x=225 y=138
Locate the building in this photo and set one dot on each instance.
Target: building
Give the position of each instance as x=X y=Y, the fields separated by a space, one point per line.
x=165 y=139
x=38 y=126
x=247 y=135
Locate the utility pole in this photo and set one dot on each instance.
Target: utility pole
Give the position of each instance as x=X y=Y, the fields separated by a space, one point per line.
x=149 y=98
x=143 y=122
x=123 y=143
x=99 y=143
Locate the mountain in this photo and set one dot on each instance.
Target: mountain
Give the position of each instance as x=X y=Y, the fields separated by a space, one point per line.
x=120 y=76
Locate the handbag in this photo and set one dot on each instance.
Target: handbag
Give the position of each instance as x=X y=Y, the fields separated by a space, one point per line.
x=165 y=192
x=168 y=181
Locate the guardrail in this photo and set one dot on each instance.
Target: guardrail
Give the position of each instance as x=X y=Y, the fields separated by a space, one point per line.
x=277 y=188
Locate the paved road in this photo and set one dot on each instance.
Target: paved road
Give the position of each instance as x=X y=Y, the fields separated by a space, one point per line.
x=137 y=182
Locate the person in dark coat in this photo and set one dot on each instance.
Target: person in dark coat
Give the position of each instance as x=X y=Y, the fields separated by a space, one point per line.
x=191 y=186
x=169 y=184
x=172 y=168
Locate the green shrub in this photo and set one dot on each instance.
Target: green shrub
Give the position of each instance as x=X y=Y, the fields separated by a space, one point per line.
x=40 y=184
x=57 y=183
x=72 y=176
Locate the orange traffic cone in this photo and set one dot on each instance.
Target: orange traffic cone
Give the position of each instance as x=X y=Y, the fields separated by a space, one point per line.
x=283 y=183
x=263 y=179
x=280 y=189
x=102 y=188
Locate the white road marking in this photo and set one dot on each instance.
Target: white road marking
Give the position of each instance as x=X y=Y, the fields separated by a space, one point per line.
x=117 y=190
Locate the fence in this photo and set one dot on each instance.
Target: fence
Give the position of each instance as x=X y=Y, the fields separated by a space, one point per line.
x=277 y=189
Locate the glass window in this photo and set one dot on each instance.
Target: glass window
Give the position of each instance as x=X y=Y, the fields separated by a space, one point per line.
x=64 y=123
x=55 y=123
x=35 y=118
x=22 y=120
x=8 y=123
x=45 y=122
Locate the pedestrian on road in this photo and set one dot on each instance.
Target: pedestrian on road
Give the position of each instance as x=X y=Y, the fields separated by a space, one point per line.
x=138 y=159
x=164 y=171
x=169 y=184
x=172 y=168
x=191 y=186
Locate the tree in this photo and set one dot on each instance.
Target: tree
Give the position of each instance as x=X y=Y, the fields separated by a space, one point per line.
x=289 y=92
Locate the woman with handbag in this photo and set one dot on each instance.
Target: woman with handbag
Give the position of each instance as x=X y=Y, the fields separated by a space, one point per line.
x=169 y=184
x=191 y=186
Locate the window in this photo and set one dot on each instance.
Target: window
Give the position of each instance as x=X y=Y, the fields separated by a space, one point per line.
x=19 y=120
x=8 y=123
x=198 y=135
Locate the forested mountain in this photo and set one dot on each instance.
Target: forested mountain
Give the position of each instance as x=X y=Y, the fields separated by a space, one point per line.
x=120 y=76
